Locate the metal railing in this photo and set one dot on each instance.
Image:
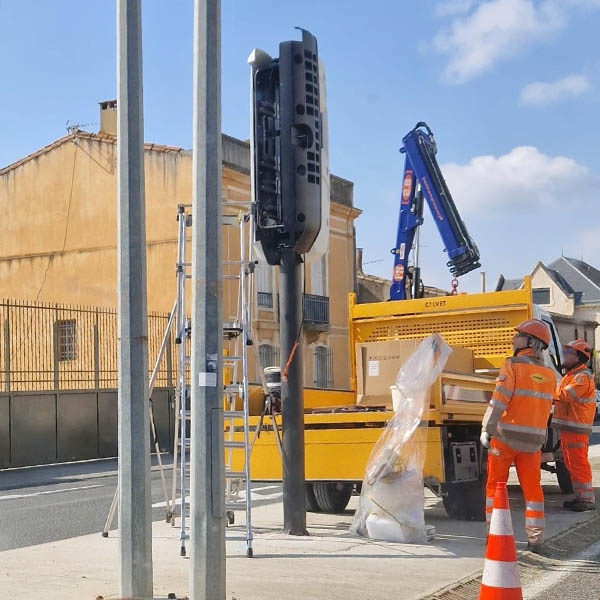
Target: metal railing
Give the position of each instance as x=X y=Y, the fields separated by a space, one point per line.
x=47 y=346
x=264 y=299
x=315 y=309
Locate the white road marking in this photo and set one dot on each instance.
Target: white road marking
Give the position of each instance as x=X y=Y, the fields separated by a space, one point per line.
x=73 y=489
x=568 y=567
x=241 y=498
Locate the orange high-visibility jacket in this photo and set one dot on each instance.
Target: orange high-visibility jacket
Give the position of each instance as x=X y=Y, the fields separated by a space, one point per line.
x=575 y=402
x=521 y=403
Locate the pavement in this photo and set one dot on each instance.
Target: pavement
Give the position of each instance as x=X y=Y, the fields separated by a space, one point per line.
x=329 y=564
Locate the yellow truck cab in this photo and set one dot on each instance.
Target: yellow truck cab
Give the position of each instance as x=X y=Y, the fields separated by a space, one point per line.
x=339 y=434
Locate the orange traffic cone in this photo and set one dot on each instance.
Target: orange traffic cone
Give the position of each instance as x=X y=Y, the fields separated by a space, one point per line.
x=501 y=579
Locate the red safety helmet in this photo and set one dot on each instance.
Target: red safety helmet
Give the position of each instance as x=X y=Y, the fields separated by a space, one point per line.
x=580 y=346
x=535 y=328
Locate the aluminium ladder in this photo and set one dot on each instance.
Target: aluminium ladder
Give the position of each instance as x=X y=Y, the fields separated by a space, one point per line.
x=234 y=392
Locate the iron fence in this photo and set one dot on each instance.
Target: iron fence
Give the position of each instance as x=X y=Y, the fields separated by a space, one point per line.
x=48 y=346
x=316 y=309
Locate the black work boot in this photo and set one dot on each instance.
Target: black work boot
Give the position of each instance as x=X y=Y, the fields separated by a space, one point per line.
x=579 y=505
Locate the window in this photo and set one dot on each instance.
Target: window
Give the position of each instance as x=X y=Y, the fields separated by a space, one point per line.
x=323 y=367
x=264 y=285
x=585 y=335
x=576 y=333
x=67 y=339
x=268 y=356
x=318 y=276
x=541 y=295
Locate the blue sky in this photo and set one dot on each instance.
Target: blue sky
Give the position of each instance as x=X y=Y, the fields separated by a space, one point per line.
x=509 y=87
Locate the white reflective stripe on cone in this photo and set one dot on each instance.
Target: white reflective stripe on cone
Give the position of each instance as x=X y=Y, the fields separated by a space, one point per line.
x=501 y=522
x=501 y=574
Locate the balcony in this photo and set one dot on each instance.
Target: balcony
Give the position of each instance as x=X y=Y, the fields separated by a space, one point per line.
x=264 y=299
x=316 y=311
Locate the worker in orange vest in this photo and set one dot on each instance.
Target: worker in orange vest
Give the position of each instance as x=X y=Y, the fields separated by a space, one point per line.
x=515 y=423
x=574 y=410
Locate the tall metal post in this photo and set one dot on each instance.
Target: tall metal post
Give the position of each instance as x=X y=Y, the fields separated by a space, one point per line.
x=135 y=517
x=207 y=565
x=292 y=398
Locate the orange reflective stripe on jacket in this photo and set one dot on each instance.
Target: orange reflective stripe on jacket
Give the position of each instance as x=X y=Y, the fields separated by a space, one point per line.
x=575 y=402
x=521 y=403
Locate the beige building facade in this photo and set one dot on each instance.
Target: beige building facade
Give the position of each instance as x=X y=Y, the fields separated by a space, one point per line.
x=60 y=237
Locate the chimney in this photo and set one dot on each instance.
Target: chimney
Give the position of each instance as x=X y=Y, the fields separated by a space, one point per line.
x=108 y=117
x=482 y=273
x=359 y=260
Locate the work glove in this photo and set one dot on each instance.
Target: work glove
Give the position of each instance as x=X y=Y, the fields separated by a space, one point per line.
x=485 y=439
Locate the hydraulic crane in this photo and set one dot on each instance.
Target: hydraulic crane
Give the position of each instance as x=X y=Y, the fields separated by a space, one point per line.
x=423 y=179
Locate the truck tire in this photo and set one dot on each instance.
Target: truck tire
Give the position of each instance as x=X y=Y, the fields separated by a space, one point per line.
x=311 y=502
x=564 y=477
x=465 y=501
x=332 y=497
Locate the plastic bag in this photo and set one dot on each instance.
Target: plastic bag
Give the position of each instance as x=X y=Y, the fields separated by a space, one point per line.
x=392 y=500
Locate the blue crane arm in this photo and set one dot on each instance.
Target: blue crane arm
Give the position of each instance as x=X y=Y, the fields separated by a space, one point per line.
x=421 y=167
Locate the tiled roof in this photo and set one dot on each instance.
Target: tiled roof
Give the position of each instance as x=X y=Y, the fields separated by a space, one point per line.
x=582 y=279
x=101 y=137
x=504 y=284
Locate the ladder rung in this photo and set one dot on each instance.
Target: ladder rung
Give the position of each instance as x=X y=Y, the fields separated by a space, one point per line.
x=187 y=443
x=235 y=388
x=235 y=506
x=227 y=276
x=234 y=262
x=230 y=358
x=229 y=444
x=233 y=414
x=235 y=475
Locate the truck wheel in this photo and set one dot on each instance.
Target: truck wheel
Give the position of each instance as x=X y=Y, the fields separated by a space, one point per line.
x=311 y=502
x=465 y=501
x=332 y=497
x=564 y=477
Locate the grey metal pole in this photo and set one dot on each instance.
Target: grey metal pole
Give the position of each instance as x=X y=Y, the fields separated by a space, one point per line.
x=135 y=517
x=207 y=565
x=292 y=397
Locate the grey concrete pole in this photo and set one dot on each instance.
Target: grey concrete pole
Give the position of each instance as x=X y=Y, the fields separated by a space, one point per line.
x=135 y=517
x=207 y=565
x=292 y=398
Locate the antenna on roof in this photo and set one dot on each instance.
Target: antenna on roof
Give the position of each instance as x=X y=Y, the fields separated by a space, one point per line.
x=72 y=126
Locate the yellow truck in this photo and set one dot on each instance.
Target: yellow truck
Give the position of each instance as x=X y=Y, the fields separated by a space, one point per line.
x=339 y=435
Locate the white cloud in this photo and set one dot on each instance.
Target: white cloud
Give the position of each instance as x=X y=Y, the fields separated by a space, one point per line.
x=499 y=29
x=524 y=178
x=586 y=244
x=453 y=7
x=541 y=93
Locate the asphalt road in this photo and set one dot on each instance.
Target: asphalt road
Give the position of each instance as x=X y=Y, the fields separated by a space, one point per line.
x=577 y=578
x=55 y=502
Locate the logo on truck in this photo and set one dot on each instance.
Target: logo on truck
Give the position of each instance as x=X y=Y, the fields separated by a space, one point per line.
x=398 y=272
x=407 y=187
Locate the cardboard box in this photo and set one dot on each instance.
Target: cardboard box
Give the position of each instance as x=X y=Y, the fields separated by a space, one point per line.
x=378 y=363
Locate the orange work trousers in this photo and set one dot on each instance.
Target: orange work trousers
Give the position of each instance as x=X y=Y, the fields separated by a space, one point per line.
x=575 y=454
x=528 y=465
